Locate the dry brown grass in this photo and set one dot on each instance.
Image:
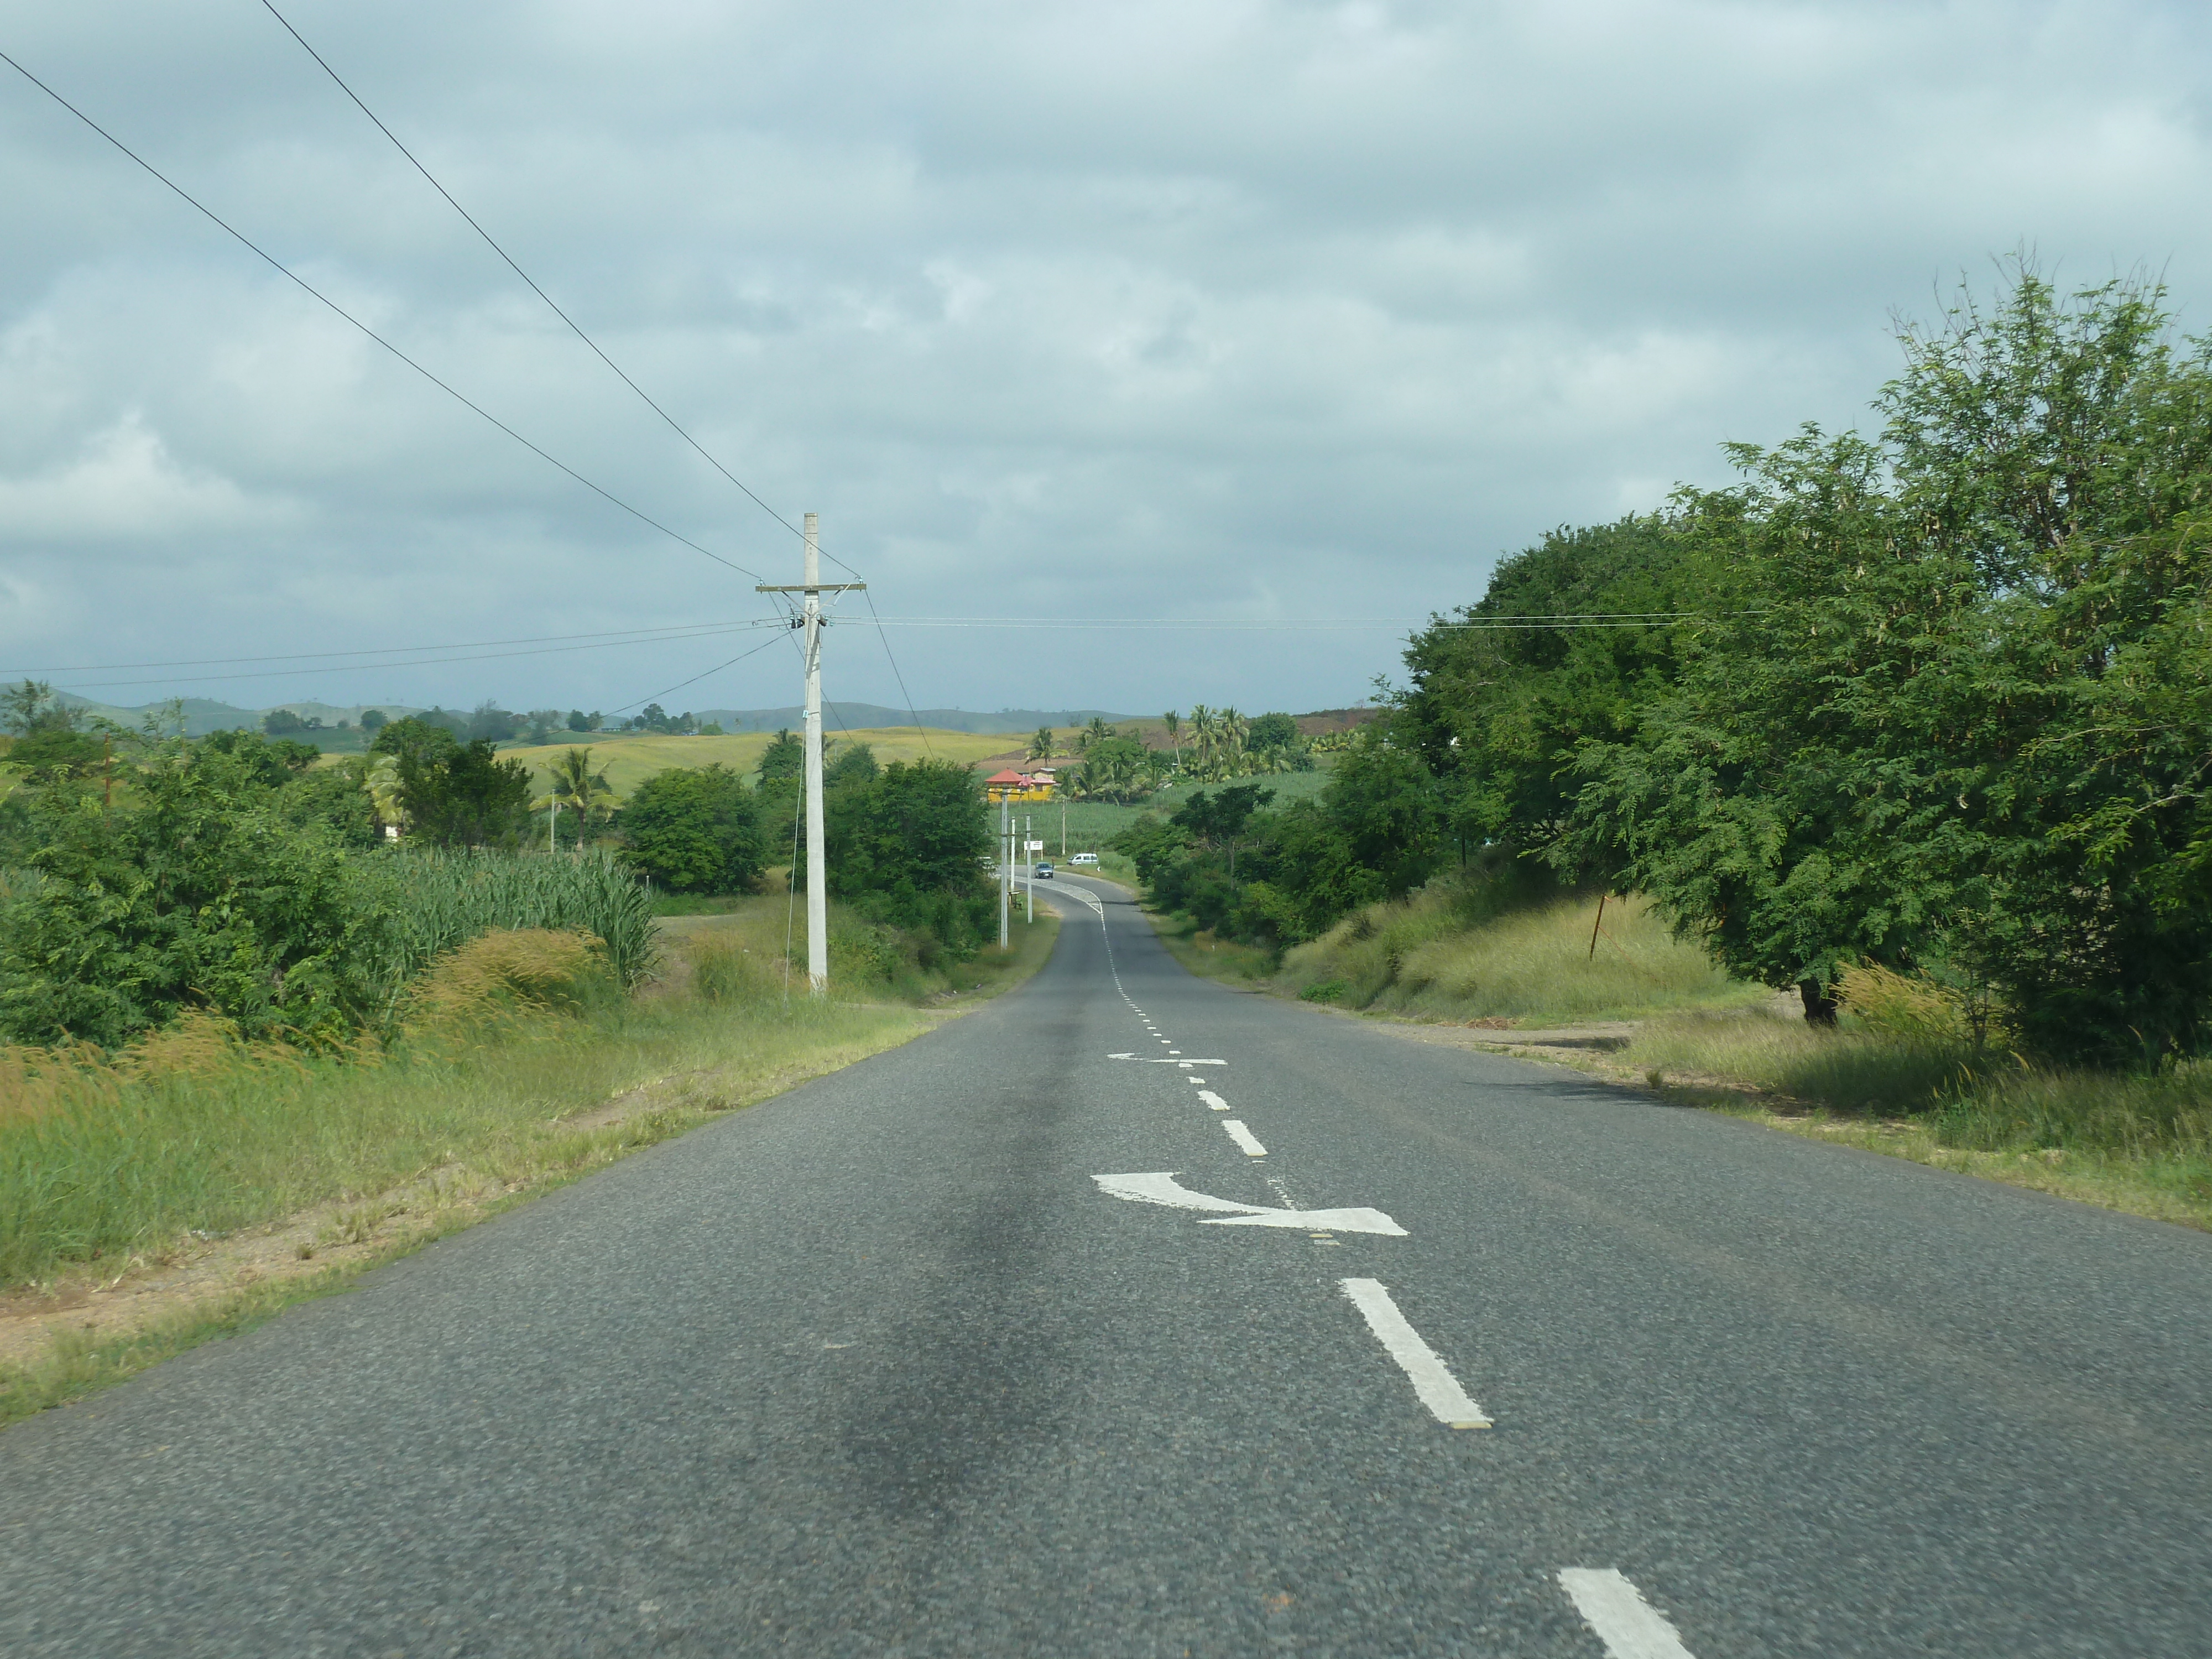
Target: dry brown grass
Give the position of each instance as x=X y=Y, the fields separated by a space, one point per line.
x=37 y=1082
x=523 y=970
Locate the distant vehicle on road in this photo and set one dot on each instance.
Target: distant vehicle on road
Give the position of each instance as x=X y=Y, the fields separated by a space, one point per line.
x=1043 y=872
x=1084 y=858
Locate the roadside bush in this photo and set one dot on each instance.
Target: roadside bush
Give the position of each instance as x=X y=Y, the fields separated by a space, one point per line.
x=693 y=830
x=505 y=972
x=203 y=891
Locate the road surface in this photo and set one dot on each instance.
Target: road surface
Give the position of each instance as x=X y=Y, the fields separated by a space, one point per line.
x=1133 y=1315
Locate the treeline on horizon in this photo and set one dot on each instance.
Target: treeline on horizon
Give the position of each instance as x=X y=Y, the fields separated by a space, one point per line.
x=1937 y=699
x=488 y=722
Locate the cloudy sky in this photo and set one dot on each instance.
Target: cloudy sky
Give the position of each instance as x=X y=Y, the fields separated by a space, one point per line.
x=1215 y=310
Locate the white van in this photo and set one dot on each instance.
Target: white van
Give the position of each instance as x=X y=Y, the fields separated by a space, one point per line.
x=1082 y=858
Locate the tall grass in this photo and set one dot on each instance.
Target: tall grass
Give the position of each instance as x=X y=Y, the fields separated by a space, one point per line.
x=1437 y=953
x=2166 y=1113
x=497 y=1040
x=1852 y=1069
x=432 y=901
x=124 y=1158
x=1959 y=1093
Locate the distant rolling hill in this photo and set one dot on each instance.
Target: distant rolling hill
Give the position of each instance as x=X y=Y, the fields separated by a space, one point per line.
x=203 y=714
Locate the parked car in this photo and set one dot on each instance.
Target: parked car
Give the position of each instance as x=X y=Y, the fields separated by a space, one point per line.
x=1084 y=858
x=1043 y=872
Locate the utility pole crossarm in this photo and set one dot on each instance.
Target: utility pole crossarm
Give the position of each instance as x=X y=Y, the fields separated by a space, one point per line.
x=810 y=587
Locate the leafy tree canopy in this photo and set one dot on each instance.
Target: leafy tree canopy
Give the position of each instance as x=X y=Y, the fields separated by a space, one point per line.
x=693 y=830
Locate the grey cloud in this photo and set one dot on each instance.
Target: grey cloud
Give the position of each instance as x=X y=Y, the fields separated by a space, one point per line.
x=1229 y=309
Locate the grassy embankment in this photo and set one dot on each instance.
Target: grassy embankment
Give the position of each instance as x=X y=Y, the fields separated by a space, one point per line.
x=1901 y=1074
x=630 y=759
x=192 y=1185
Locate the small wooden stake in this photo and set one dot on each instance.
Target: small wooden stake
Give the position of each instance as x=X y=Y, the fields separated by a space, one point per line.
x=1595 y=925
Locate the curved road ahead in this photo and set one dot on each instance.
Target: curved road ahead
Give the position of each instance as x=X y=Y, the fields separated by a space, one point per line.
x=1131 y=1315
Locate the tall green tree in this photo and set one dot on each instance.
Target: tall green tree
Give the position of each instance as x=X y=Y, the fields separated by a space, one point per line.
x=456 y=794
x=693 y=830
x=1966 y=732
x=911 y=846
x=782 y=764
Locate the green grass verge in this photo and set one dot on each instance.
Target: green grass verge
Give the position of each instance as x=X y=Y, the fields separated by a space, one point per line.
x=395 y=1151
x=267 y=1137
x=1552 y=963
x=2140 y=1144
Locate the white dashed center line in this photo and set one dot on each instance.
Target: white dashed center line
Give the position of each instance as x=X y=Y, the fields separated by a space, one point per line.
x=1211 y=1098
x=1628 y=1625
x=1244 y=1137
x=1446 y=1401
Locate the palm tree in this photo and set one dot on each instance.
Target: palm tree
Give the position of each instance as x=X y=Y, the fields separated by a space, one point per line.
x=1173 y=721
x=576 y=786
x=382 y=783
x=1202 y=733
x=1040 y=744
x=1234 y=729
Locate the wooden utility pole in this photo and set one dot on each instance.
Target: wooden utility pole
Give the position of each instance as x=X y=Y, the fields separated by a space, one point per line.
x=809 y=618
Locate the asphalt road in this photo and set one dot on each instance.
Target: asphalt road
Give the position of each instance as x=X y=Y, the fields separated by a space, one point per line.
x=882 y=1367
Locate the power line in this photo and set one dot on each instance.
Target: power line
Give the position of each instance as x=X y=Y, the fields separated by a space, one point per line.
x=618 y=636
x=656 y=696
x=578 y=330
x=574 y=327
x=556 y=644
x=325 y=300
x=414 y=662
x=912 y=713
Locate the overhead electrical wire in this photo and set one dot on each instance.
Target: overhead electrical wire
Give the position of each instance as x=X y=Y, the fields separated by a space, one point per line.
x=776 y=623
x=655 y=697
x=577 y=328
x=601 y=641
x=574 y=326
x=338 y=310
x=396 y=657
x=672 y=632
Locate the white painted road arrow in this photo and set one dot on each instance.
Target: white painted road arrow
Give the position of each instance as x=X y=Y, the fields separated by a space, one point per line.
x=1162 y=1187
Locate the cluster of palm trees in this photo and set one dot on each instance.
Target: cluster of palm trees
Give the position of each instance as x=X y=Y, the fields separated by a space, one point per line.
x=1209 y=746
x=1222 y=744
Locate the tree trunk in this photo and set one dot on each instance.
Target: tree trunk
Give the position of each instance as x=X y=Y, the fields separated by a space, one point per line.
x=1820 y=1007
